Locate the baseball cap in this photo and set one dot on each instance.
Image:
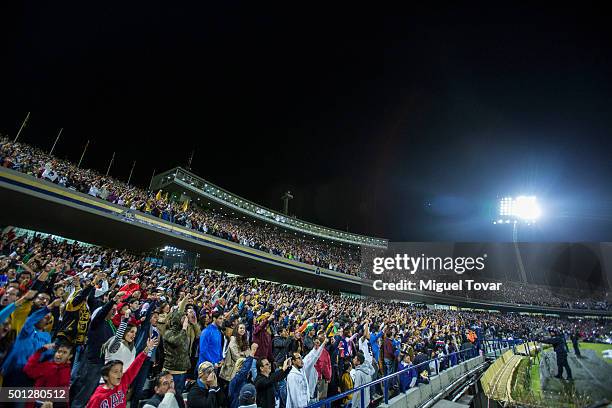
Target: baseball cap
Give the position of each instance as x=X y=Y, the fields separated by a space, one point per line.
x=247 y=394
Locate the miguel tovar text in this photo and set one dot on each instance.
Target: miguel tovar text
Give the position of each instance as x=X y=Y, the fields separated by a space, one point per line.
x=434 y=286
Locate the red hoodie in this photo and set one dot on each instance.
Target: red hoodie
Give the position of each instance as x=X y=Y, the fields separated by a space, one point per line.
x=47 y=373
x=115 y=398
x=323 y=365
x=130 y=288
x=118 y=317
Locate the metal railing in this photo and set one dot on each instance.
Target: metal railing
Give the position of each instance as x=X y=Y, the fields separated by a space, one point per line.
x=488 y=347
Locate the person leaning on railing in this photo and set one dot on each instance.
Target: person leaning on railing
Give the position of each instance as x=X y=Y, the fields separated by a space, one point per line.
x=408 y=377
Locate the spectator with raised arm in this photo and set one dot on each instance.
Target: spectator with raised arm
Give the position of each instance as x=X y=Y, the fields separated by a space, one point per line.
x=52 y=373
x=117 y=381
x=301 y=389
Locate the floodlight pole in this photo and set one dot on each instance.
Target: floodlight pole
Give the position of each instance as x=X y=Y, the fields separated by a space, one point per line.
x=56 y=139
x=83 y=155
x=110 y=164
x=517 y=250
x=25 y=121
x=131 y=171
x=151 y=182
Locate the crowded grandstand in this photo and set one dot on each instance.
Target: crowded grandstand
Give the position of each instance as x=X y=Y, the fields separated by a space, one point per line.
x=104 y=308
x=117 y=327
x=270 y=238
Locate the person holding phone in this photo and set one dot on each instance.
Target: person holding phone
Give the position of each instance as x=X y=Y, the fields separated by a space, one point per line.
x=266 y=380
x=206 y=393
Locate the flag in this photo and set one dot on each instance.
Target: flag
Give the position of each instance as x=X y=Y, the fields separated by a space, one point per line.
x=185 y=205
x=166 y=197
x=158 y=196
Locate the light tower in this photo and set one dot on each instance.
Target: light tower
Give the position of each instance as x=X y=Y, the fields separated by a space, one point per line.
x=521 y=210
x=286 y=197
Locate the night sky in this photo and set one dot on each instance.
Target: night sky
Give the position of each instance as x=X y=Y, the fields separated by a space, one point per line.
x=407 y=126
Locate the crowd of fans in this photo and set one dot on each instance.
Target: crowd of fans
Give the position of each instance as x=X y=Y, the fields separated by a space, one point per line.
x=115 y=328
x=537 y=295
x=264 y=237
x=33 y=161
x=512 y=292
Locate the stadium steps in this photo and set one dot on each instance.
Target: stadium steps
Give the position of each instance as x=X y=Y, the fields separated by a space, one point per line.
x=497 y=380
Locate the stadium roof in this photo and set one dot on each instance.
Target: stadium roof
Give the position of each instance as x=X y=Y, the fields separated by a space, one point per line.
x=197 y=185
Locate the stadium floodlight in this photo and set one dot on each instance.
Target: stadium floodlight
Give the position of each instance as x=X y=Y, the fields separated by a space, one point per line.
x=518 y=211
x=521 y=208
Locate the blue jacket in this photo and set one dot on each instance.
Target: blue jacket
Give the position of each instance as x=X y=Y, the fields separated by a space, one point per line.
x=397 y=345
x=238 y=381
x=142 y=335
x=28 y=341
x=375 y=347
x=406 y=376
x=6 y=312
x=100 y=330
x=211 y=345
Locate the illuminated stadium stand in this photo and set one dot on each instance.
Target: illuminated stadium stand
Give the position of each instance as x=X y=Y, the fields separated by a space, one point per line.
x=40 y=205
x=179 y=180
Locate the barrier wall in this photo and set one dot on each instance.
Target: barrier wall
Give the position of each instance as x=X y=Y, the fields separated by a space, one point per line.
x=415 y=397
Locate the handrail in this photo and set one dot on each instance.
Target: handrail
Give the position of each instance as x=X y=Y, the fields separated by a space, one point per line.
x=497 y=345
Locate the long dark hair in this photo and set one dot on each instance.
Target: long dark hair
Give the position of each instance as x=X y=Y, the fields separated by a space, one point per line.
x=127 y=330
x=242 y=341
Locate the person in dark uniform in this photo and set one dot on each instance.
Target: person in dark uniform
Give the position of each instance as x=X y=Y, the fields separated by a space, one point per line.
x=557 y=340
x=575 y=337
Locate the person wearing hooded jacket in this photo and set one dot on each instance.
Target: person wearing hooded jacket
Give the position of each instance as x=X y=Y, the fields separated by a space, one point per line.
x=281 y=346
x=362 y=374
x=324 y=371
x=31 y=338
x=176 y=351
x=302 y=379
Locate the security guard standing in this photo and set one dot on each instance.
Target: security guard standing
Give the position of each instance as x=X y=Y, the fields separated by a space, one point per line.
x=575 y=337
x=557 y=340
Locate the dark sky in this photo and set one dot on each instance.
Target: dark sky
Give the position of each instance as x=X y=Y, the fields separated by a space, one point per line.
x=406 y=126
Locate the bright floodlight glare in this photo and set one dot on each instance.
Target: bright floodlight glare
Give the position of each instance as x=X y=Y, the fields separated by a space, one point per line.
x=524 y=208
x=527 y=208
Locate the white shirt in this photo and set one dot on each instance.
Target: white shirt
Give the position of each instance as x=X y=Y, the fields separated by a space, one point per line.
x=298 y=392
x=169 y=401
x=124 y=354
x=301 y=383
